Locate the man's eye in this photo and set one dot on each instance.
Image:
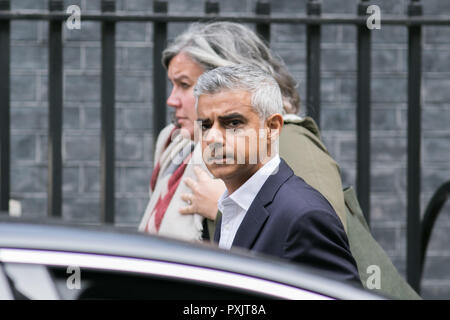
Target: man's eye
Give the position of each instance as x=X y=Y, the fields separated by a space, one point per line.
x=185 y=85
x=234 y=123
x=205 y=127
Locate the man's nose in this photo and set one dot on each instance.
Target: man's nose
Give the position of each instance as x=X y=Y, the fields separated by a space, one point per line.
x=173 y=100
x=214 y=135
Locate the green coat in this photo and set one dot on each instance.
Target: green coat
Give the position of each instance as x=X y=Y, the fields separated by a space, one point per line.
x=367 y=252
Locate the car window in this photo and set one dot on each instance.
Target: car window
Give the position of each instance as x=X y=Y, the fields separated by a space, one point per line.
x=103 y=284
x=5 y=289
x=30 y=281
x=93 y=276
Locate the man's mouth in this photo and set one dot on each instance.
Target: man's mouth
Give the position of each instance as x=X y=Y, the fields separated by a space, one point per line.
x=226 y=159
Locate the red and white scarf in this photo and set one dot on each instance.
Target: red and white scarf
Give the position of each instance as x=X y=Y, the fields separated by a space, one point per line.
x=172 y=172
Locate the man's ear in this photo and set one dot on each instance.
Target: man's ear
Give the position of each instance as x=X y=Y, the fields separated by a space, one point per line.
x=274 y=125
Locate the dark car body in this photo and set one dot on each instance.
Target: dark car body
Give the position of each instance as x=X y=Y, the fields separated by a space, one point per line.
x=41 y=260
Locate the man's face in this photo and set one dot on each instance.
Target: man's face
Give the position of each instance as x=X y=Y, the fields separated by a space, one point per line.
x=183 y=73
x=230 y=133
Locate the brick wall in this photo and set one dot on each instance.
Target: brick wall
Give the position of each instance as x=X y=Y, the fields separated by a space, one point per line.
x=134 y=158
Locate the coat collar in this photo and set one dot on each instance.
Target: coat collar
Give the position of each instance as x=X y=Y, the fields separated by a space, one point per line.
x=257 y=214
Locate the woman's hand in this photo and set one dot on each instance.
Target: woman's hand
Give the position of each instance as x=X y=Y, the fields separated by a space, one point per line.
x=206 y=192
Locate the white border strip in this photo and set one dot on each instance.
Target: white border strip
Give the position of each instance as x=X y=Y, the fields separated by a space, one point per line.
x=159 y=268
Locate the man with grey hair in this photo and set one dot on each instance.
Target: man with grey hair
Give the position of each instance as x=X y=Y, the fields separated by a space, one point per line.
x=265 y=207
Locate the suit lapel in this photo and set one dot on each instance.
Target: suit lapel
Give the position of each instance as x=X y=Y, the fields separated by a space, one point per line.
x=250 y=227
x=217 y=230
x=257 y=214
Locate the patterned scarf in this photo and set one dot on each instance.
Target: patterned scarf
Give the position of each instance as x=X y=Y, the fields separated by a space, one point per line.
x=175 y=169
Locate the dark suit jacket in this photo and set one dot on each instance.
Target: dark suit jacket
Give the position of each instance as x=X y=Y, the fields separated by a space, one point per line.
x=291 y=220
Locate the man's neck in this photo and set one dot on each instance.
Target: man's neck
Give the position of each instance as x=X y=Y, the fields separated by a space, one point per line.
x=235 y=183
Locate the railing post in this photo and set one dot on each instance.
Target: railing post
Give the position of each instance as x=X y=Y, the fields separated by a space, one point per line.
x=414 y=142
x=263 y=29
x=313 y=33
x=159 y=73
x=363 y=114
x=212 y=7
x=5 y=101
x=108 y=91
x=55 y=105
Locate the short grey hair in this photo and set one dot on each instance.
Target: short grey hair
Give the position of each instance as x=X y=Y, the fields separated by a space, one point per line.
x=219 y=44
x=266 y=96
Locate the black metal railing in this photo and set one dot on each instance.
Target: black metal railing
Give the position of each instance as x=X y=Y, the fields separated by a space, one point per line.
x=263 y=19
x=414 y=142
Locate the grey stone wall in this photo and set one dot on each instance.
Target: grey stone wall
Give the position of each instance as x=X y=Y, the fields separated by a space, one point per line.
x=134 y=158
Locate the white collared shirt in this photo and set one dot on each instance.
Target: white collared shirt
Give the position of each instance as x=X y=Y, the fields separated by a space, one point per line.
x=235 y=206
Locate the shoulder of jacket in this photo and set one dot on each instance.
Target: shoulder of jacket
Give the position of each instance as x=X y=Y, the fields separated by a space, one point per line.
x=306 y=128
x=307 y=123
x=311 y=199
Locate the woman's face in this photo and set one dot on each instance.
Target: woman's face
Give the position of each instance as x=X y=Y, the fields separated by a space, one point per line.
x=183 y=73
